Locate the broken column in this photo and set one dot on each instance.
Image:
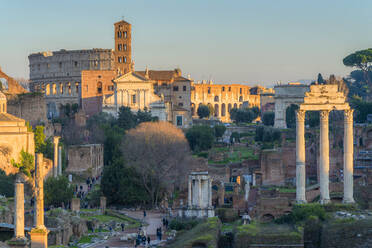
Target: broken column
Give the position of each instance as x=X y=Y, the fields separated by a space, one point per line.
x=19 y=239
x=60 y=161
x=55 y=161
x=75 y=204
x=39 y=234
x=102 y=201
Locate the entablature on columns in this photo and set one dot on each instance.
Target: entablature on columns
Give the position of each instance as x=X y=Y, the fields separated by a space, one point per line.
x=324 y=107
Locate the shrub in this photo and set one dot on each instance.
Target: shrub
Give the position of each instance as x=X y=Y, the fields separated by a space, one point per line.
x=268 y=118
x=57 y=191
x=183 y=224
x=203 y=111
x=200 y=137
x=302 y=212
x=227 y=214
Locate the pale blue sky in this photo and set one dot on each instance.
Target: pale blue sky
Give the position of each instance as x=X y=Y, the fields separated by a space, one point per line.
x=246 y=41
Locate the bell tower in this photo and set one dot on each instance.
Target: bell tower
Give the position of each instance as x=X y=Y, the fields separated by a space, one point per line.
x=123 y=47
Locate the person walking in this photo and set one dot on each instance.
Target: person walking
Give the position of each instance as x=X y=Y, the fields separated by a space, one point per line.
x=148 y=240
x=144 y=213
x=122 y=227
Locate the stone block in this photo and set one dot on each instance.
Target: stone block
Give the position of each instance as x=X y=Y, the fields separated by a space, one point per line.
x=75 y=204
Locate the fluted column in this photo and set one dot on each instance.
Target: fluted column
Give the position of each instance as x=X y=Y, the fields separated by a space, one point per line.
x=55 y=161
x=210 y=192
x=348 y=156
x=324 y=157
x=190 y=192
x=199 y=193
x=39 y=188
x=300 y=157
x=19 y=214
x=59 y=161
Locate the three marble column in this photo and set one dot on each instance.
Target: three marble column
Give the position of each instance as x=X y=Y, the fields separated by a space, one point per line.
x=324 y=157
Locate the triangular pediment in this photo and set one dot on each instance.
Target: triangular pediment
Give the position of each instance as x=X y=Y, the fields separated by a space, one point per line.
x=130 y=77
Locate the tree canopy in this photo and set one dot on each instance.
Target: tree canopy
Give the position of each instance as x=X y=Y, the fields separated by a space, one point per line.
x=268 y=118
x=246 y=115
x=200 y=137
x=203 y=111
x=361 y=59
x=159 y=152
x=57 y=191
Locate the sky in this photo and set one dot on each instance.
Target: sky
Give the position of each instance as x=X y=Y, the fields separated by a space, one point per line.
x=241 y=41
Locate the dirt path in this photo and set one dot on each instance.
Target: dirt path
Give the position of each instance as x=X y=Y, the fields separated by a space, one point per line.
x=153 y=221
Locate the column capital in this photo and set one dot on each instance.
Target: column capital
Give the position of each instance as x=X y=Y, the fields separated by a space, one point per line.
x=300 y=115
x=348 y=115
x=324 y=114
x=56 y=139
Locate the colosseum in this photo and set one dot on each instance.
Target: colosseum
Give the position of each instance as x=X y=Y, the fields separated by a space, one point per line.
x=223 y=97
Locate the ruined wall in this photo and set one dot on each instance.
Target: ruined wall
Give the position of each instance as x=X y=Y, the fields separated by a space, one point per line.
x=30 y=107
x=85 y=159
x=13 y=86
x=272 y=168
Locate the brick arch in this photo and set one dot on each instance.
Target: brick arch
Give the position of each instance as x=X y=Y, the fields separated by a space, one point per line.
x=13 y=86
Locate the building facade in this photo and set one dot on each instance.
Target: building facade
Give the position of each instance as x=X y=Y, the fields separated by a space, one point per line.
x=58 y=74
x=223 y=97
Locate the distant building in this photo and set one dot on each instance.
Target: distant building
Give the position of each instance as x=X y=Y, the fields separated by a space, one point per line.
x=223 y=97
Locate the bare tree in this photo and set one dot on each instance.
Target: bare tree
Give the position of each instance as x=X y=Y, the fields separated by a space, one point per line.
x=160 y=153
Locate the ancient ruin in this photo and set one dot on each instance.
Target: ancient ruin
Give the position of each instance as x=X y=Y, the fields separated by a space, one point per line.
x=55 y=160
x=199 y=195
x=324 y=98
x=19 y=239
x=39 y=234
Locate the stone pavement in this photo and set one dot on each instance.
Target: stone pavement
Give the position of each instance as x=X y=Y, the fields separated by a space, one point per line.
x=153 y=221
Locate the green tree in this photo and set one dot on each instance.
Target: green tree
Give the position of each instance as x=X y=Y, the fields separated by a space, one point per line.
x=126 y=119
x=290 y=116
x=6 y=184
x=39 y=138
x=113 y=138
x=312 y=118
x=361 y=59
x=26 y=163
x=362 y=109
x=122 y=185
x=200 y=137
x=203 y=111
x=268 y=118
x=57 y=191
x=219 y=130
x=246 y=115
x=320 y=79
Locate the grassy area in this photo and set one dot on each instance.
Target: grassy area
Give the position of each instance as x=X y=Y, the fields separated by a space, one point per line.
x=110 y=216
x=237 y=155
x=87 y=239
x=267 y=233
x=204 y=234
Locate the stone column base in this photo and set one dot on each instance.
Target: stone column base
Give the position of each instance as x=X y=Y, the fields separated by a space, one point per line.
x=39 y=238
x=348 y=201
x=18 y=242
x=301 y=201
x=325 y=201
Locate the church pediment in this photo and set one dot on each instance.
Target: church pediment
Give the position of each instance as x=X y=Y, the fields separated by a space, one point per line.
x=130 y=77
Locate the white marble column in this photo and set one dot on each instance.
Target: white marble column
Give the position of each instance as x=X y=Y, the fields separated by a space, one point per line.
x=39 y=188
x=300 y=157
x=209 y=192
x=19 y=213
x=324 y=157
x=199 y=193
x=59 y=161
x=190 y=193
x=116 y=98
x=348 y=156
x=55 y=161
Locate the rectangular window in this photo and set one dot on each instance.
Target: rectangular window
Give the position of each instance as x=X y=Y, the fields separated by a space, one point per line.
x=184 y=88
x=179 y=120
x=125 y=47
x=120 y=59
x=223 y=88
x=209 y=90
x=133 y=99
x=175 y=88
x=240 y=90
x=119 y=47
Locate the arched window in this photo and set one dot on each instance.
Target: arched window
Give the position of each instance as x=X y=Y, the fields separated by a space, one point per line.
x=235 y=105
x=223 y=109
x=125 y=47
x=216 y=110
x=54 y=89
x=99 y=87
x=69 y=88
x=125 y=34
x=77 y=88
x=229 y=107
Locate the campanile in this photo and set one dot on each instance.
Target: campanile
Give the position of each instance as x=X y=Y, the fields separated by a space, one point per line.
x=123 y=47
